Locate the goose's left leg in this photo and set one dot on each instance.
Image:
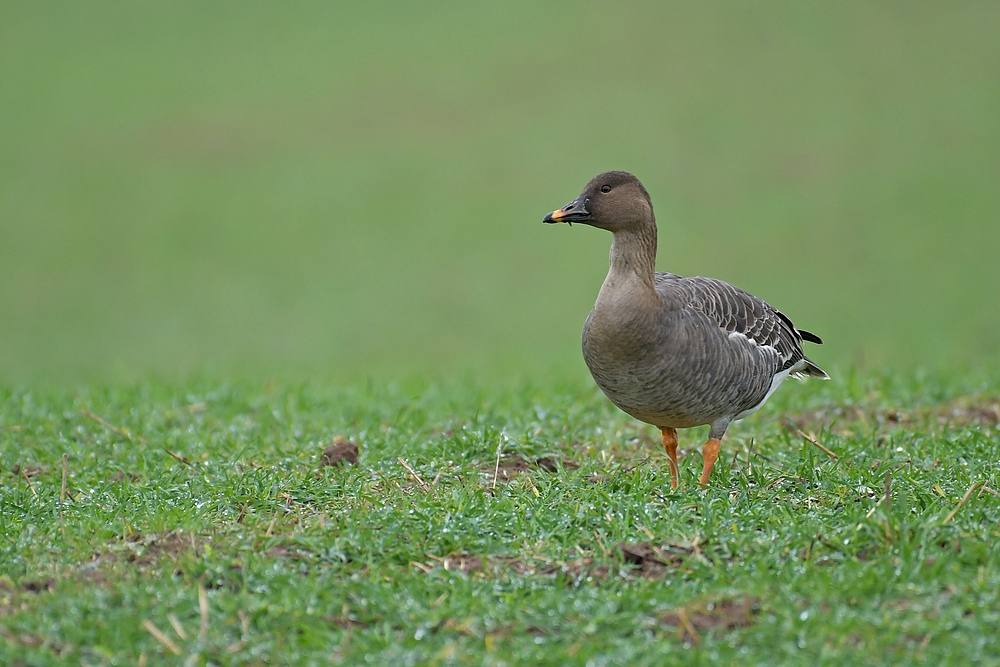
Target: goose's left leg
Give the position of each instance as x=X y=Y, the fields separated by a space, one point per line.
x=670 y=446
x=710 y=451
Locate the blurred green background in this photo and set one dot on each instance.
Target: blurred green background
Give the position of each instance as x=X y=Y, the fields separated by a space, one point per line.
x=351 y=189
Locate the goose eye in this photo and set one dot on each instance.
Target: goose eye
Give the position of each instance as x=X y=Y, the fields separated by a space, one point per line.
x=605 y=188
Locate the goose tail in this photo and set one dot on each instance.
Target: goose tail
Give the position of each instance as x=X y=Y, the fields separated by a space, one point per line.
x=809 y=369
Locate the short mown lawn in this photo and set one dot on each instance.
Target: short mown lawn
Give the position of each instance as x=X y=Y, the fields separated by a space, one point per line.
x=850 y=522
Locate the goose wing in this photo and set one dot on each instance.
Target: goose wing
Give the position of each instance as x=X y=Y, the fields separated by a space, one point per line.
x=742 y=315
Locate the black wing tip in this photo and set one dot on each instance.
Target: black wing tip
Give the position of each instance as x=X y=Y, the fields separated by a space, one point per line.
x=811 y=337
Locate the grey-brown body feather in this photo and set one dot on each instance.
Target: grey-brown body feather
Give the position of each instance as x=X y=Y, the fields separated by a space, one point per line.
x=675 y=362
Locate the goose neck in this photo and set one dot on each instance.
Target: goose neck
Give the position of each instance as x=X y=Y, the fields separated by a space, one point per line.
x=633 y=255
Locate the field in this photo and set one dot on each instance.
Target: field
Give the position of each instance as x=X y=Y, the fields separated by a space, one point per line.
x=577 y=552
x=349 y=192
x=233 y=235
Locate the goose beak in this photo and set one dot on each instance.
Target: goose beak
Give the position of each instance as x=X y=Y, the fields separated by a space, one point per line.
x=575 y=211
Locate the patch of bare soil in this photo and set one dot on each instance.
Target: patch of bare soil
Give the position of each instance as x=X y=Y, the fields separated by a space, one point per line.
x=466 y=563
x=121 y=476
x=153 y=555
x=552 y=465
x=513 y=465
x=971 y=411
x=148 y=550
x=289 y=552
x=346 y=622
x=578 y=569
x=339 y=452
x=694 y=619
x=653 y=562
x=28 y=471
x=31 y=640
x=8 y=598
x=38 y=585
x=16 y=597
x=490 y=566
x=140 y=551
x=12 y=595
x=10 y=606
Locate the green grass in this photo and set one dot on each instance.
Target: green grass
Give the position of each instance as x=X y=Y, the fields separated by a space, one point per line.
x=304 y=565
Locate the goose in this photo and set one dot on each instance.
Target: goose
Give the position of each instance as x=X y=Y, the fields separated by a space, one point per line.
x=671 y=351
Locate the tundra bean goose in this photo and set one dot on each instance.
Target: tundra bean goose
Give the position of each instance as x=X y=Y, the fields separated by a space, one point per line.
x=677 y=352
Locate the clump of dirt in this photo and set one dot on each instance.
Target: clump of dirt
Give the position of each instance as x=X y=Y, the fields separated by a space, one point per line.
x=28 y=471
x=338 y=452
x=651 y=562
x=38 y=585
x=30 y=640
x=513 y=465
x=290 y=553
x=10 y=605
x=466 y=563
x=491 y=566
x=30 y=586
x=973 y=411
x=695 y=619
x=13 y=597
x=579 y=569
x=654 y=562
x=137 y=551
x=143 y=551
x=346 y=622
x=510 y=467
x=552 y=465
x=156 y=547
